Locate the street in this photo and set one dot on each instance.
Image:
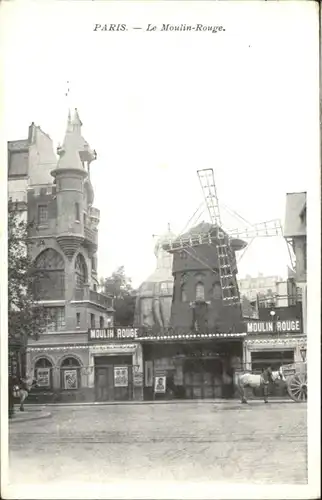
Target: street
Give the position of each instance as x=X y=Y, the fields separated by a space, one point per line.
x=228 y=442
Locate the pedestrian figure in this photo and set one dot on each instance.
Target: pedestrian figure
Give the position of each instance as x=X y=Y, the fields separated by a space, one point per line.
x=25 y=386
x=267 y=377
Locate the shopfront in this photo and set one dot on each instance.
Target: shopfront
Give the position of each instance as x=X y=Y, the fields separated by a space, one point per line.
x=116 y=364
x=108 y=367
x=191 y=369
x=113 y=378
x=273 y=344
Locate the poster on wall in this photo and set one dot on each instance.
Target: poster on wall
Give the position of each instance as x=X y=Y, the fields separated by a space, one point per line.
x=160 y=385
x=137 y=376
x=70 y=379
x=43 y=377
x=121 y=376
x=148 y=374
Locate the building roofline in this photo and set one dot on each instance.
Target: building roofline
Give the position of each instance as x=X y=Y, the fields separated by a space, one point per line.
x=297 y=192
x=43 y=132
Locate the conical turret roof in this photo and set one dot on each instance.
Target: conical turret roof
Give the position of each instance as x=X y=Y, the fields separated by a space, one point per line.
x=74 y=149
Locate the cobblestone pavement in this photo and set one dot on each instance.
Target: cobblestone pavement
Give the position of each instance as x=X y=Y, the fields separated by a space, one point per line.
x=255 y=444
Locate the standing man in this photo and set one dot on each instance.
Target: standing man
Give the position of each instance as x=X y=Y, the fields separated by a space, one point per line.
x=266 y=379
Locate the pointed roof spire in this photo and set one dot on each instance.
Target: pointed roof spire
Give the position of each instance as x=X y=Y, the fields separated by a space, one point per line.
x=69 y=156
x=76 y=122
x=73 y=130
x=74 y=150
x=69 y=122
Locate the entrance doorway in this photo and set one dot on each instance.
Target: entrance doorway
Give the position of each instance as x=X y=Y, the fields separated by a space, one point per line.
x=202 y=378
x=113 y=378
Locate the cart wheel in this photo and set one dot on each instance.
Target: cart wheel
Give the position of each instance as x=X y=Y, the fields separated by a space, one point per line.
x=297 y=387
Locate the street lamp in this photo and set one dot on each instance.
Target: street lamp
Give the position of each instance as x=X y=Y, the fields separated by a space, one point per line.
x=303 y=353
x=273 y=314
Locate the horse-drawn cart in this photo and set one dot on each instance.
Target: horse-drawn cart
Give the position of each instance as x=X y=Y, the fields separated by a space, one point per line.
x=296 y=380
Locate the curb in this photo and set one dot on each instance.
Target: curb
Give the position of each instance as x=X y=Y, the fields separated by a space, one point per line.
x=27 y=418
x=164 y=402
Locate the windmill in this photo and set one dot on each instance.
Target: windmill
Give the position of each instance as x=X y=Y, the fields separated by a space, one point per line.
x=225 y=243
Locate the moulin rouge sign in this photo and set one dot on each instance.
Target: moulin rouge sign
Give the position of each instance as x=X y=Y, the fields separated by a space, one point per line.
x=287 y=326
x=113 y=334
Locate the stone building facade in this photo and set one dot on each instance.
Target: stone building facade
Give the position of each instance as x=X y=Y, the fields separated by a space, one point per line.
x=287 y=345
x=58 y=199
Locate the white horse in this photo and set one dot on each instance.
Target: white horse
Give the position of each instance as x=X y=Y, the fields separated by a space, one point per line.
x=25 y=386
x=258 y=380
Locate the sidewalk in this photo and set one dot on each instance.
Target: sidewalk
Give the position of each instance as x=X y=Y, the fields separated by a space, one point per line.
x=164 y=402
x=32 y=412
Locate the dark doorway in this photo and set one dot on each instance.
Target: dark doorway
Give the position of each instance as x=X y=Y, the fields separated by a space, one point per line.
x=113 y=378
x=203 y=378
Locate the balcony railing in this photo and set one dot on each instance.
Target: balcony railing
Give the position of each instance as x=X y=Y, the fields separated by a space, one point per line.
x=90 y=295
x=90 y=235
x=17 y=196
x=99 y=298
x=94 y=213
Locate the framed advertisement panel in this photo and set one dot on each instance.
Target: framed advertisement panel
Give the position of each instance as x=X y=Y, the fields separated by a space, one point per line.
x=160 y=385
x=70 y=379
x=43 y=377
x=121 y=376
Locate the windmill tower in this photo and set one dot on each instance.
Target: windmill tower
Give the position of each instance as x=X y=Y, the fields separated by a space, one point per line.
x=206 y=295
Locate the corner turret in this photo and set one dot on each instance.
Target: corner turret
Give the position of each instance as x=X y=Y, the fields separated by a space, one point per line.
x=73 y=190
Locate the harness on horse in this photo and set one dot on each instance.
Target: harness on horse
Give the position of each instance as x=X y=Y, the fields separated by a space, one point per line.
x=264 y=381
x=266 y=377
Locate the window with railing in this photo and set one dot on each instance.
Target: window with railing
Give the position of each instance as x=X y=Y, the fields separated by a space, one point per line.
x=80 y=272
x=42 y=214
x=101 y=322
x=55 y=319
x=92 y=320
x=200 y=291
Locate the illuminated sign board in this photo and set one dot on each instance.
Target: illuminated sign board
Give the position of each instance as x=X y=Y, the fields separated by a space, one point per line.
x=287 y=326
x=113 y=333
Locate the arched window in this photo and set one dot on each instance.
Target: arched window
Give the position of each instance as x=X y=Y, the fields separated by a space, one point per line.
x=44 y=373
x=216 y=291
x=49 y=276
x=200 y=291
x=80 y=272
x=70 y=374
x=184 y=296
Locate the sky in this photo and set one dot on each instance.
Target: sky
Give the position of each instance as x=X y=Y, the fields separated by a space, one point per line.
x=158 y=106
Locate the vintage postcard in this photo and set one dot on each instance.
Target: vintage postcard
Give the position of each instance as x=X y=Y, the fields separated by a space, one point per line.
x=160 y=249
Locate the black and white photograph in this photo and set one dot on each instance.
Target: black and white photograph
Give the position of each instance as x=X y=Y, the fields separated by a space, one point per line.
x=160 y=249
x=160 y=385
